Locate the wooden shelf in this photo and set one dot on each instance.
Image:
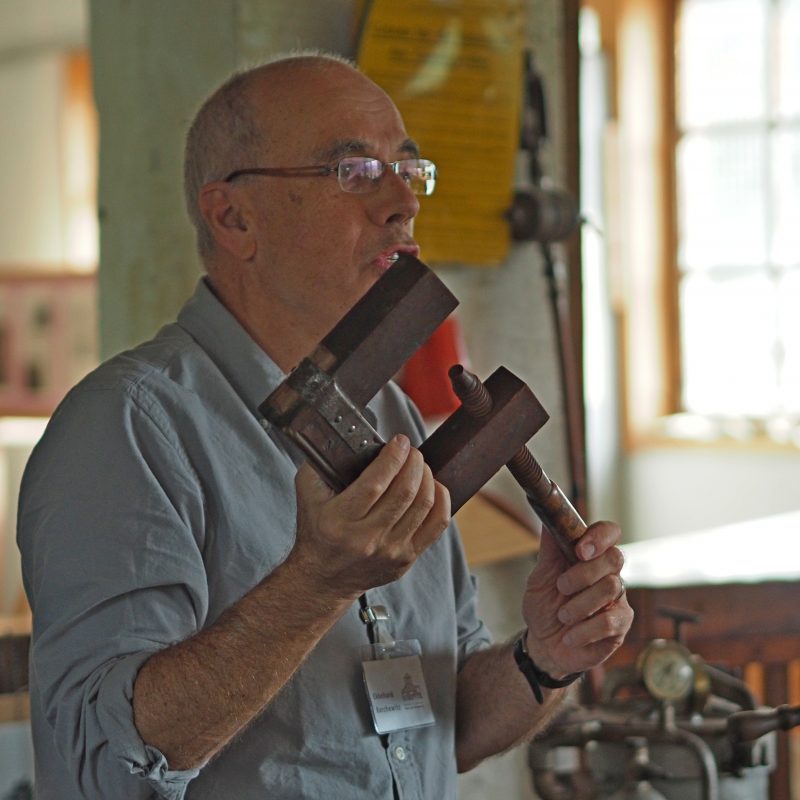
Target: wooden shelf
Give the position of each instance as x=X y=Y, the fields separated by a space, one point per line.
x=492 y=531
x=15 y=625
x=15 y=707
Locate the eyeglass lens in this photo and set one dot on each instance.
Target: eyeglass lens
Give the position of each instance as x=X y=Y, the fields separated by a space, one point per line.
x=360 y=174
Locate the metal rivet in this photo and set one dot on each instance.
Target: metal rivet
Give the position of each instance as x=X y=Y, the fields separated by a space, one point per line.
x=363 y=443
x=337 y=418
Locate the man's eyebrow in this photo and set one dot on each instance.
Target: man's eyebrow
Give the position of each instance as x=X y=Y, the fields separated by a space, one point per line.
x=410 y=147
x=349 y=147
x=342 y=148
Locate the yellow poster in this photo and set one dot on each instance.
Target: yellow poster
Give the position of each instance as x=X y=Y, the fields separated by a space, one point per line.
x=455 y=68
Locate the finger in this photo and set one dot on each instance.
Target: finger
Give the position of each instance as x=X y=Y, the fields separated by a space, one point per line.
x=418 y=529
x=435 y=522
x=585 y=574
x=400 y=496
x=598 y=538
x=608 y=627
x=427 y=516
x=358 y=499
x=309 y=485
x=549 y=552
x=590 y=601
x=414 y=513
x=399 y=555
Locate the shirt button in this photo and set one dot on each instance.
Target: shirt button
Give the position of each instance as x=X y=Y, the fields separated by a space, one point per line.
x=400 y=753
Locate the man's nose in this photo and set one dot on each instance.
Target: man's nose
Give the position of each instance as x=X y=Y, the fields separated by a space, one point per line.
x=395 y=201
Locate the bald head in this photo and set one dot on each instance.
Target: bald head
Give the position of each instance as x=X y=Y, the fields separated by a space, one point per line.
x=228 y=131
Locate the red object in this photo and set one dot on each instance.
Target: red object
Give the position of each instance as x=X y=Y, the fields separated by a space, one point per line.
x=424 y=377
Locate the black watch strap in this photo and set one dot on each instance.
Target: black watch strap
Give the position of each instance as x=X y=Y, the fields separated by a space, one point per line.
x=537 y=678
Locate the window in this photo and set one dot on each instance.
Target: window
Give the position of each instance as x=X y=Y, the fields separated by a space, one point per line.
x=737 y=178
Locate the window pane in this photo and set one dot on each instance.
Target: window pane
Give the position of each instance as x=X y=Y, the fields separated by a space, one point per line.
x=789 y=57
x=728 y=329
x=721 y=197
x=789 y=299
x=786 y=209
x=721 y=58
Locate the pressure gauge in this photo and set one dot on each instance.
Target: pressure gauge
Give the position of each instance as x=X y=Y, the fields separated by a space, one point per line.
x=667 y=669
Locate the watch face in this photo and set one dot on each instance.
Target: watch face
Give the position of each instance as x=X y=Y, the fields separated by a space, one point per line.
x=667 y=670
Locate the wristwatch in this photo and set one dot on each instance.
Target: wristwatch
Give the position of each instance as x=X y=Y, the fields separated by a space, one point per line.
x=538 y=677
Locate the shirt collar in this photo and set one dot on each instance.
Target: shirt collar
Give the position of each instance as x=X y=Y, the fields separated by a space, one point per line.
x=251 y=372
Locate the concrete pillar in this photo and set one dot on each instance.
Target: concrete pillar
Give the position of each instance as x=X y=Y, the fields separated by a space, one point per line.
x=153 y=63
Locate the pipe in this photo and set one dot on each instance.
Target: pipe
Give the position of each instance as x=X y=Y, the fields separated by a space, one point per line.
x=596 y=730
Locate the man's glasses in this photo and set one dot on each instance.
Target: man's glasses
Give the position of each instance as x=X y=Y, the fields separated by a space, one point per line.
x=358 y=174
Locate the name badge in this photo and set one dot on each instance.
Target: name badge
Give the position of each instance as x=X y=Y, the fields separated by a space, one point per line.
x=398 y=696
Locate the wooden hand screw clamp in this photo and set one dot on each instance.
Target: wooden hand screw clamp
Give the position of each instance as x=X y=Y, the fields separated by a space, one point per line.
x=321 y=405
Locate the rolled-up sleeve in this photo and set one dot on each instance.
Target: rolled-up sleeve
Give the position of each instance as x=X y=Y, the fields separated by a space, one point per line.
x=144 y=763
x=110 y=530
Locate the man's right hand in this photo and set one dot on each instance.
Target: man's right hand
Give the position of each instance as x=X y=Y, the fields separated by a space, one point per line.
x=372 y=532
x=366 y=536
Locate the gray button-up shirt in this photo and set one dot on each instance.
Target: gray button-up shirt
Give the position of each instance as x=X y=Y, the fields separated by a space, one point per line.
x=154 y=501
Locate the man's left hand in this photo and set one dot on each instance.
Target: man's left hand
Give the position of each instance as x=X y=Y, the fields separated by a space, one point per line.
x=578 y=615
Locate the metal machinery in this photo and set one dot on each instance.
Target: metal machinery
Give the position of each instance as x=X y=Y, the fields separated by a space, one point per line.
x=669 y=727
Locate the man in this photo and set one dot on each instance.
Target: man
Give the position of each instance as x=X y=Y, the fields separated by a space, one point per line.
x=196 y=596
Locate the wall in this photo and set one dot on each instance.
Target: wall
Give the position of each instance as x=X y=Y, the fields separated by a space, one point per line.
x=675 y=489
x=29 y=160
x=34 y=36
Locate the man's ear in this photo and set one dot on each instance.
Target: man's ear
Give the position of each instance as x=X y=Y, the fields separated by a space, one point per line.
x=228 y=219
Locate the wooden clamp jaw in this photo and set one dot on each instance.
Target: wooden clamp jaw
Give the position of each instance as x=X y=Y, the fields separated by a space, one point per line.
x=466 y=450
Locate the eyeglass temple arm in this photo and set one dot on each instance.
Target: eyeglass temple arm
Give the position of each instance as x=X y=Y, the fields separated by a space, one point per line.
x=281 y=172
